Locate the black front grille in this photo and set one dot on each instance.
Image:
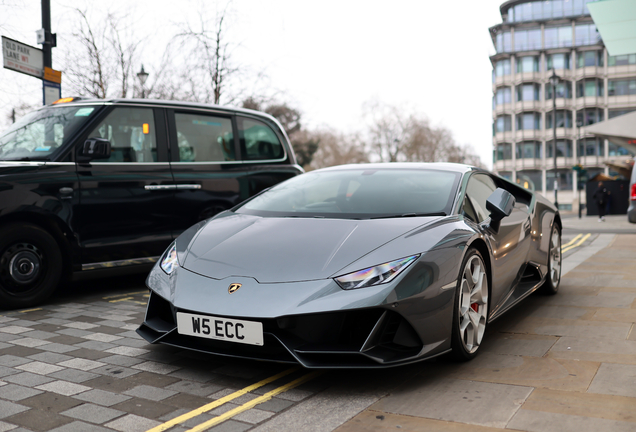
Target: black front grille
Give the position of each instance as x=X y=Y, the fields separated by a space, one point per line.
x=355 y=338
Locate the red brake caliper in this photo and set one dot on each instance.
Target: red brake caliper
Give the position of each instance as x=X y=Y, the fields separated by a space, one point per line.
x=474 y=307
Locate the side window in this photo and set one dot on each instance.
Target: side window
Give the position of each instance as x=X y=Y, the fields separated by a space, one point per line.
x=132 y=136
x=479 y=188
x=258 y=141
x=468 y=210
x=204 y=138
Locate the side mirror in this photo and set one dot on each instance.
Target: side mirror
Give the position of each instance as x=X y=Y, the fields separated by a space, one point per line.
x=94 y=148
x=500 y=204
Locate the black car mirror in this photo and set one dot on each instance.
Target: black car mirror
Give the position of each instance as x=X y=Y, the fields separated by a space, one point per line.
x=500 y=204
x=94 y=148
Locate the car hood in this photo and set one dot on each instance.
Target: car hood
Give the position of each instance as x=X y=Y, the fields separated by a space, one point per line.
x=274 y=250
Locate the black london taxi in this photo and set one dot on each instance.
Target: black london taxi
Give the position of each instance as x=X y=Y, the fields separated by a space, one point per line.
x=102 y=184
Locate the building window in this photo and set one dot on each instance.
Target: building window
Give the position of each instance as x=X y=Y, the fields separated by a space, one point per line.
x=563 y=90
x=589 y=87
x=530 y=179
x=502 y=67
x=529 y=121
x=502 y=96
x=529 y=150
x=563 y=119
x=558 y=61
x=558 y=37
x=503 y=123
x=622 y=60
x=621 y=87
x=564 y=178
x=548 y=9
x=503 y=42
x=619 y=112
x=505 y=174
x=528 y=92
x=527 y=40
x=564 y=148
x=616 y=150
x=589 y=116
x=504 y=151
x=586 y=34
x=589 y=58
x=591 y=147
x=527 y=64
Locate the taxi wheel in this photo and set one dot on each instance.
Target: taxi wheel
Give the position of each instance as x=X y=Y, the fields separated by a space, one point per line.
x=30 y=265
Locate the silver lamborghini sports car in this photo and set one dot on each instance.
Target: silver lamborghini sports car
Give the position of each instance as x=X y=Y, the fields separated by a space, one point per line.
x=357 y=266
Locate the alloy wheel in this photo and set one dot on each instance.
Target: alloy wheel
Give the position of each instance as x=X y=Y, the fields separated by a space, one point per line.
x=473 y=304
x=555 y=257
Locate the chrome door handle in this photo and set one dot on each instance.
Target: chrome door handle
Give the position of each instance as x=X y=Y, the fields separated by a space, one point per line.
x=172 y=187
x=159 y=187
x=66 y=193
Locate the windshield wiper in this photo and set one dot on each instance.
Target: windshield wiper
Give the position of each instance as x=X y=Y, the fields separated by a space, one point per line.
x=410 y=215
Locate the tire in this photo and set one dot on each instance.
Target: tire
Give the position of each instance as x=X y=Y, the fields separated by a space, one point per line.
x=30 y=265
x=553 y=278
x=471 y=306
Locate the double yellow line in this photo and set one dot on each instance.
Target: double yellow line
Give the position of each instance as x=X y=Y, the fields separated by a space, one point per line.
x=573 y=243
x=223 y=417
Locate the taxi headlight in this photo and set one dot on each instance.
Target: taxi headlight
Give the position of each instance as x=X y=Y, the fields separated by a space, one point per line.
x=169 y=261
x=376 y=275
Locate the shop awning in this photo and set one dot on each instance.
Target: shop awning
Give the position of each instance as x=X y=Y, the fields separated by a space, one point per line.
x=620 y=130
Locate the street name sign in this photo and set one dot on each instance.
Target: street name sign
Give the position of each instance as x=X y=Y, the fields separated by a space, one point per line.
x=22 y=58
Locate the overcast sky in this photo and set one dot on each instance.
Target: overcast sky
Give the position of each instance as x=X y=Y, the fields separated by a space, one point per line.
x=326 y=57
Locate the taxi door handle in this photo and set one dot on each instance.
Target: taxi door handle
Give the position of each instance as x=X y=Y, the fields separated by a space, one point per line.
x=159 y=187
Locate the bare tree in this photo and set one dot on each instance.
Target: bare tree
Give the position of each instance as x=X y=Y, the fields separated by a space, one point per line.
x=100 y=64
x=396 y=135
x=337 y=149
x=204 y=55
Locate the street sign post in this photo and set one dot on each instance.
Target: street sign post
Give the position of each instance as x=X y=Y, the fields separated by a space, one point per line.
x=22 y=58
x=581 y=180
x=51 y=92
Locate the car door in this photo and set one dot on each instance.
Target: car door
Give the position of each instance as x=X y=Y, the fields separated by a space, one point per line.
x=265 y=156
x=208 y=173
x=126 y=202
x=509 y=244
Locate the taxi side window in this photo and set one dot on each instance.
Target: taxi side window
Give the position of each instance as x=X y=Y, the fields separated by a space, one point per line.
x=258 y=141
x=479 y=188
x=204 y=138
x=131 y=132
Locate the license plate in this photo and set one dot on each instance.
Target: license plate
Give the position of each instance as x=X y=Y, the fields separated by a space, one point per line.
x=231 y=330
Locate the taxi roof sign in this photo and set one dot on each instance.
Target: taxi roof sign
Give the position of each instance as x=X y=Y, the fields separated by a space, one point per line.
x=64 y=100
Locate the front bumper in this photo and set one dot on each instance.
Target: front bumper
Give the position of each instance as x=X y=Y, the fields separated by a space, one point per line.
x=321 y=327
x=356 y=338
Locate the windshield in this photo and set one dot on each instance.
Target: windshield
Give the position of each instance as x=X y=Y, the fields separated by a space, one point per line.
x=359 y=194
x=38 y=134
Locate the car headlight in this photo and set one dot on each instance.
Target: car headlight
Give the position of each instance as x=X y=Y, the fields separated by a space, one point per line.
x=376 y=275
x=169 y=261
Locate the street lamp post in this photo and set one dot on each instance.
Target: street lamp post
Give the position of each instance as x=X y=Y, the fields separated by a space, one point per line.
x=143 y=76
x=554 y=80
x=579 y=174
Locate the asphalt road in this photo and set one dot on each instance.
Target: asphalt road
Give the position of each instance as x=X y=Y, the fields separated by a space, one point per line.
x=553 y=363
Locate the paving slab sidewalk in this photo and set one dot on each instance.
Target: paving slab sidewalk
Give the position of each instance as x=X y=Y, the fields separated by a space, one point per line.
x=561 y=363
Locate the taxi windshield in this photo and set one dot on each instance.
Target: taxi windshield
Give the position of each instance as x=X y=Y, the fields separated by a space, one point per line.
x=38 y=134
